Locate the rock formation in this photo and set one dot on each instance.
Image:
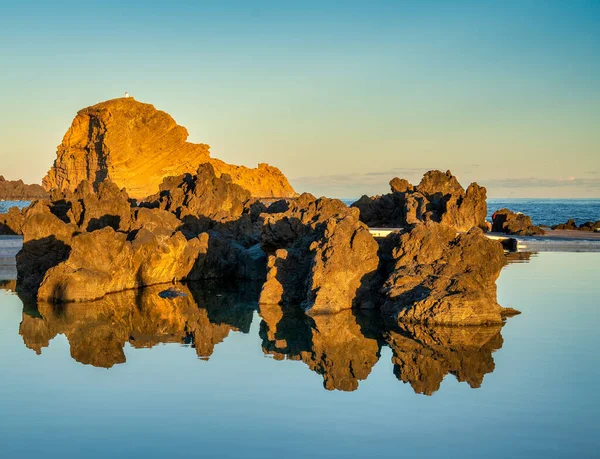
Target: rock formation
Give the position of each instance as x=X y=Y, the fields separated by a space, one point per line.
x=438 y=198
x=11 y=222
x=137 y=146
x=16 y=190
x=571 y=225
x=325 y=260
x=314 y=253
x=439 y=277
x=509 y=222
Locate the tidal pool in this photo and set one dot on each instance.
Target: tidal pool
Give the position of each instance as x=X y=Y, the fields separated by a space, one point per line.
x=207 y=374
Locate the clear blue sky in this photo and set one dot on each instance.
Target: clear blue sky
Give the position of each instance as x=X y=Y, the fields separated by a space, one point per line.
x=340 y=95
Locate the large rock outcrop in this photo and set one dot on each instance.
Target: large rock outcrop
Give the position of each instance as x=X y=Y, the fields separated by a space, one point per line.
x=439 y=277
x=17 y=190
x=438 y=198
x=320 y=256
x=82 y=245
x=137 y=146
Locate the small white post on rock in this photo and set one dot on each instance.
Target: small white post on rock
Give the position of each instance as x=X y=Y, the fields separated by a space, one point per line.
x=126 y=95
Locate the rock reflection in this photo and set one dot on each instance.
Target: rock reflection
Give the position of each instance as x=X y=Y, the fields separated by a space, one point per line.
x=343 y=348
x=519 y=257
x=332 y=345
x=423 y=356
x=97 y=331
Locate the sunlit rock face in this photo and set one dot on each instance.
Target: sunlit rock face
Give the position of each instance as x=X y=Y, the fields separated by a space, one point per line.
x=81 y=245
x=437 y=276
x=97 y=331
x=423 y=356
x=136 y=146
x=320 y=255
x=438 y=198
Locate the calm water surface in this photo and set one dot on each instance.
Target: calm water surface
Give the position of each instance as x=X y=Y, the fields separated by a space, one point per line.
x=208 y=375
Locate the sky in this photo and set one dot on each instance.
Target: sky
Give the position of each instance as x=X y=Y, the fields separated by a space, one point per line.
x=341 y=96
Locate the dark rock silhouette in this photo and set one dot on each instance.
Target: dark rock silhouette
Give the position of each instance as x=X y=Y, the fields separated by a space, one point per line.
x=571 y=225
x=438 y=198
x=509 y=222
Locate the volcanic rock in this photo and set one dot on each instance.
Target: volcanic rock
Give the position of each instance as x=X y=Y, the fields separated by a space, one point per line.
x=105 y=261
x=137 y=146
x=286 y=221
x=202 y=200
x=439 y=277
x=326 y=271
x=571 y=225
x=438 y=198
x=16 y=190
x=509 y=222
x=11 y=222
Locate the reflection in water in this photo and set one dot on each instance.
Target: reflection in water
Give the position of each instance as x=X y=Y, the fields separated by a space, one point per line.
x=519 y=257
x=343 y=348
x=424 y=356
x=98 y=330
x=332 y=345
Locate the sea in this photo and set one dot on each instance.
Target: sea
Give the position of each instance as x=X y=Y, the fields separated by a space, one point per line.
x=213 y=374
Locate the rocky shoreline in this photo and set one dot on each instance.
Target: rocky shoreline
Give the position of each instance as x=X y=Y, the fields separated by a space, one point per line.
x=90 y=237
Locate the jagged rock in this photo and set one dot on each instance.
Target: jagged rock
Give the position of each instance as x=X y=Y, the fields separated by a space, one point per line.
x=201 y=200
x=46 y=243
x=326 y=271
x=590 y=226
x=509 y=222
x=571 y=225
x=16 y=190
x=423 y=356
x=286 y=221
x=439 y=277
x=11 y=222
x=136 y=146
x=105 y=261
x=438 y=198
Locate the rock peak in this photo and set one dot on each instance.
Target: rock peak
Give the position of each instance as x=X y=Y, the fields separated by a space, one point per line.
x=137 y=146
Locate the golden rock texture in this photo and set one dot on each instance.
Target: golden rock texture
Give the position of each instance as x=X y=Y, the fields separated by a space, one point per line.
x=136 y=146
